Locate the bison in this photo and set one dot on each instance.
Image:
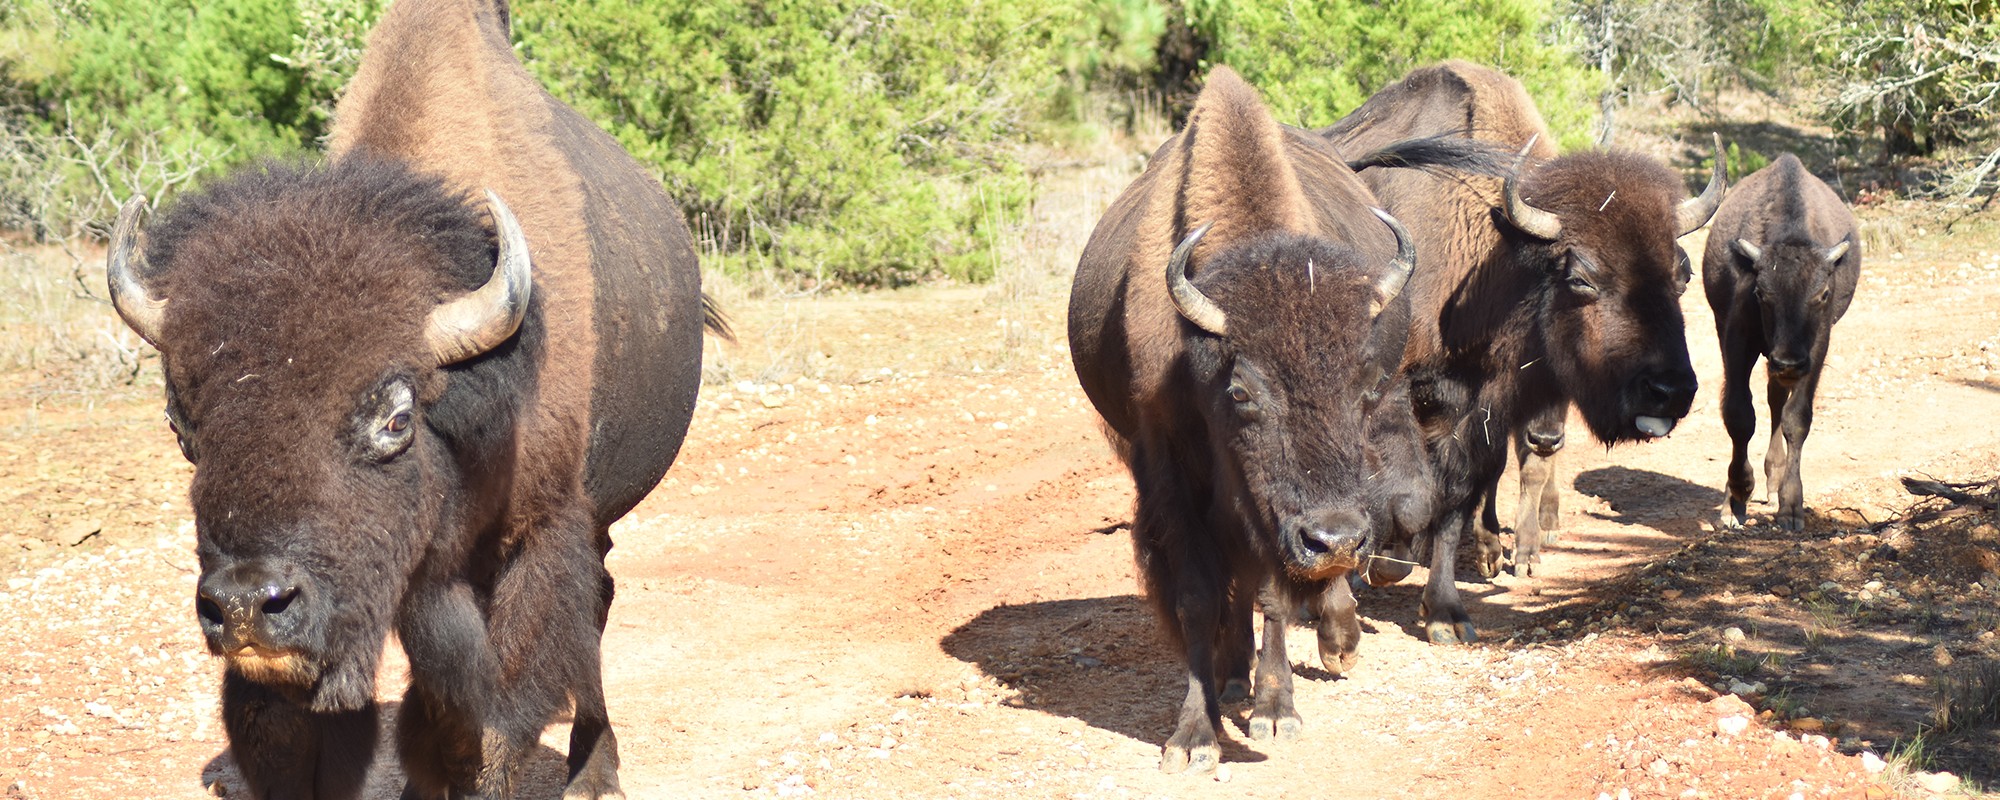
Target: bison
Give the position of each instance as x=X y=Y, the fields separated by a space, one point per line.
x=418 y=383
x=1539 y=511
x=1779 y=270
x=1236 y=395
x=1560 y=283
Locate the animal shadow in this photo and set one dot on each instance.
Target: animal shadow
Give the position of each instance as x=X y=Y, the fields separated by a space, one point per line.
x=1642 y=497
x=544 y=771
x=1101 y=660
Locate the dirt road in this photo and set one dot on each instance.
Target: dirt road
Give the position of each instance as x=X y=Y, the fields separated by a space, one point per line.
x=880 y=569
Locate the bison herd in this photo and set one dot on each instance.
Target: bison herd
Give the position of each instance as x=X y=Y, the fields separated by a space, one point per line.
x=418 y=383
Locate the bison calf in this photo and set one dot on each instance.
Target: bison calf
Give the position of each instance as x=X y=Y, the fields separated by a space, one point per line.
x=1779 y=270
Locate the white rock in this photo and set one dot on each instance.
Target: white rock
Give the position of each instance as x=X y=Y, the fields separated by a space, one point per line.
x=1872 y=764
x=1938 y=782
x=1733 y=724
x=1733 y=634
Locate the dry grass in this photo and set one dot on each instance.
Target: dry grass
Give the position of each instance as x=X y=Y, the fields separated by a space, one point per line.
x=56 y=329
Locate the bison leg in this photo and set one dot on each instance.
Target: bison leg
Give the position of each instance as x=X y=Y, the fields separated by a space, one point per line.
x=1775 y=460
x=1528 y=536
x=1792 y=423
x=1273 y=713
x=1188 y=586
x=1551 y=505
x=1339 y=628
x=1492 y=554
x=1233 y=649
x=1442 y=610
x=1739 y=417
x=285 y=750
x=452 y=674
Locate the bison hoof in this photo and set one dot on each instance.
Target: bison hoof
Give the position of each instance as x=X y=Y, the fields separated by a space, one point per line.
x=1732 y=521
x=1201 y=759
x=1791 y=522
x=1489 y=565
x=580 y=791
x=1337 y=664
x=1285 y=726
x=1523 y=569
x=1235 y=690
x=1451 y=633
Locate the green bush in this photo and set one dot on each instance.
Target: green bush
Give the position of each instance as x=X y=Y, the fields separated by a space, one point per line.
x=1317 y=61
x=855 y=141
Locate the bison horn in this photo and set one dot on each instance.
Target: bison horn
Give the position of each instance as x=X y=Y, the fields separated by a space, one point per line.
x=1749 y=251
x=1834 y=253
x=127 y=259
x=1528 y=219
x=480 y=321
x=1391 y=282
x=1194 y=305
x=1696 y=212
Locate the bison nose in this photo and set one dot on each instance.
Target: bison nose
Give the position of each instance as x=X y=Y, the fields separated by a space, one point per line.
x=252 y=604
x=1668 y=392
x=1786 y=367
x=1329 y=540
x=1545 y=442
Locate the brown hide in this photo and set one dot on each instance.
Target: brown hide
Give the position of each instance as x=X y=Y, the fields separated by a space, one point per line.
x=1448 y=214
x=1233 y=165
x=442 y=90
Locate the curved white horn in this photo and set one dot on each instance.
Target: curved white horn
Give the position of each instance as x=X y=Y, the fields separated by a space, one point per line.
x=1391 y=283
x=1192 y=304
x=1528 y=219
x=1695 y=212
x=146 y=316
x=480 y=321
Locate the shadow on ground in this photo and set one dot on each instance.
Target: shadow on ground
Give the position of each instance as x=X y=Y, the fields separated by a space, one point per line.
x=1662 y=502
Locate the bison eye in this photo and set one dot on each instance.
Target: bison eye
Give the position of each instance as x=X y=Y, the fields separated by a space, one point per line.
x=1238 y=394
x=398 y=423
x=1582 y=286
x=386 y=422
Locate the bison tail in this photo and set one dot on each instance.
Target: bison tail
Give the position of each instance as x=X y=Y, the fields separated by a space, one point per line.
x=1447 y=152
x=714 y=320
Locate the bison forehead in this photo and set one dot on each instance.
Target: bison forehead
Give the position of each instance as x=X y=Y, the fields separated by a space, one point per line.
x=1612 y=203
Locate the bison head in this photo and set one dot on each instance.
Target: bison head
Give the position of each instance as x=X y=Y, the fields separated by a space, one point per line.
x=1296 y=337
x=1794 y=284
x=1601 y=232
x=318 y=328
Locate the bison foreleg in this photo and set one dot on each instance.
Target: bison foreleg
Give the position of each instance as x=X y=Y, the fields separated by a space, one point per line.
x=1792 y=423
x=1442 y=610
x=284 y=749
x=1739 y=417
x=1193 y=745
x=1234 y=646
x=1339 y=628
x=1273 y=714
x=1528 y=535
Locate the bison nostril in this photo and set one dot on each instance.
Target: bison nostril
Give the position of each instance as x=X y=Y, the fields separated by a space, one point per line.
x=280 y=600
x=209 y=610
x=1315 y=542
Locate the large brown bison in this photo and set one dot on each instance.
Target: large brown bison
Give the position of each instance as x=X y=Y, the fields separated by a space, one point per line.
x=1779 y=270
x=1236 y=396
x=1561 y=283
x=418 y=383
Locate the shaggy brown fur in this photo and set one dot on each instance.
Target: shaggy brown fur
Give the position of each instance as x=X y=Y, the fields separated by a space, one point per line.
x=1246 y=448
x=1504 y=325
x=1779 y=304
x=346 y=483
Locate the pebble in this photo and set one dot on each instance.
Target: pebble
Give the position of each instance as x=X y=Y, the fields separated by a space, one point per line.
x=1939 y=782
x=1222 y=773
x=1733 y=724
x=1733 y=634
x=1872 y=764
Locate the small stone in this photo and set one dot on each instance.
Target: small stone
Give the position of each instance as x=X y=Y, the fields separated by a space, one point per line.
x=1222 y=773
x=1729 y=704
x=1783 y=744
x=1816 y=741
x=1941 y=656
x=1733 y=634
x=771 y=400
x=74 y=533
x=1659 y=767
x=1872 y=764
x=1733 y=724
x=1808 y=725
x=1671 y=594
x=1938 y=782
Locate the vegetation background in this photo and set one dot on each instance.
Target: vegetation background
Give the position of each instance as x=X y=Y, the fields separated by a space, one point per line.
x=881 y=143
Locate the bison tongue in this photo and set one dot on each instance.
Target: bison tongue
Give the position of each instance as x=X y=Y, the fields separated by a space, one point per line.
x=1655 y=427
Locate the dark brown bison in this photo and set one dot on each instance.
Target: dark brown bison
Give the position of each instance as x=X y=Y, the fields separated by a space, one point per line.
x=1538 y=514
x=1559 y=284
x=1236 y=396
x=417 y=384
x=1779 y=270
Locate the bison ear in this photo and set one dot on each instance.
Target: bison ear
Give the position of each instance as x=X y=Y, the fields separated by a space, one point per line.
x=1747 y=254
x=1239 y=173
